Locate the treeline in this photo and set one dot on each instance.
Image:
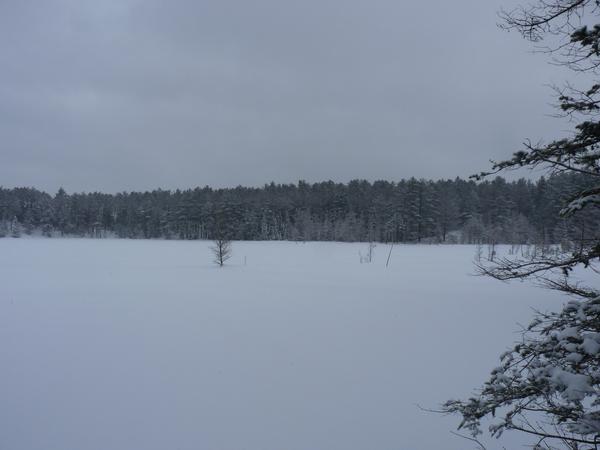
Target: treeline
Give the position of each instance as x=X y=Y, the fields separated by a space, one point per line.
x=455 y=211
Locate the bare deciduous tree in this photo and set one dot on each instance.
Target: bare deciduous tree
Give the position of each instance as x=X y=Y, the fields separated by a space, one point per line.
x=368 y=257
x=221 y=249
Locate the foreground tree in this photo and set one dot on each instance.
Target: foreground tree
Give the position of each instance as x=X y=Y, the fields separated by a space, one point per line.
x=548 y=385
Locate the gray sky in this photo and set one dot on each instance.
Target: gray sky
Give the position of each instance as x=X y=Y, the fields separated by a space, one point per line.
x=134 y=95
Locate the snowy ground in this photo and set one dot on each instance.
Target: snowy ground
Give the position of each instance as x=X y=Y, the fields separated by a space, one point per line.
x=145 y=345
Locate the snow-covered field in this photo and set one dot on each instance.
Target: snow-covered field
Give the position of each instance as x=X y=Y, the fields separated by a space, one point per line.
x=146 y=345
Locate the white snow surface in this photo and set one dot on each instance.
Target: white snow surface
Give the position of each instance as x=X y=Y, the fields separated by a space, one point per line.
x=146 y=345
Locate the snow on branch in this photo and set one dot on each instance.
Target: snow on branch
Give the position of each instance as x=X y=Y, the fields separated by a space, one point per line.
x=548 y=384
x=581 y=200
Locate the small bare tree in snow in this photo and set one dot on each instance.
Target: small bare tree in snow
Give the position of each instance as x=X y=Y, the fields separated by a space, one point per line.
x=221 y=249
x=369 y=255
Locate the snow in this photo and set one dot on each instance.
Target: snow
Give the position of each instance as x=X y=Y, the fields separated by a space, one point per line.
x=573 y=386
x=590 y=344
x=124 y=345
x=580 y=202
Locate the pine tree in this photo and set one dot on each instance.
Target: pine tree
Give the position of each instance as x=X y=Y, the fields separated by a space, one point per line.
x=548 y=385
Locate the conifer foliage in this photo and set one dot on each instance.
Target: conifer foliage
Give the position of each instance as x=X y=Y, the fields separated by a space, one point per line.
x=548 y=385
x=446 y=211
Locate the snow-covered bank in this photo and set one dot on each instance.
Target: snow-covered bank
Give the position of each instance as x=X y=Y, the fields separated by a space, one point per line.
x=119 y=344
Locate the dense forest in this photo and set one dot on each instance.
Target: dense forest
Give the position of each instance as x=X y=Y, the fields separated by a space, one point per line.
x=453 y=211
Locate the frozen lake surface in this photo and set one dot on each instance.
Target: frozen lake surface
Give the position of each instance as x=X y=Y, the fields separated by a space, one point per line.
x=146 y=345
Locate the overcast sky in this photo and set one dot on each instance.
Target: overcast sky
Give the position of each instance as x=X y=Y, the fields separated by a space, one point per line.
x=134 y=95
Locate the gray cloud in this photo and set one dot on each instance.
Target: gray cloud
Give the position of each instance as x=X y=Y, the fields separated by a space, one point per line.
x=122 y=95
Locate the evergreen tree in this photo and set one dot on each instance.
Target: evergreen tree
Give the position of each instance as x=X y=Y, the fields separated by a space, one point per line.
x=407 y=211
x=548 y=385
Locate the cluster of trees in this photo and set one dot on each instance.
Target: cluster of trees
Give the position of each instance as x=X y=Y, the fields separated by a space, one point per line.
x=407 y=211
